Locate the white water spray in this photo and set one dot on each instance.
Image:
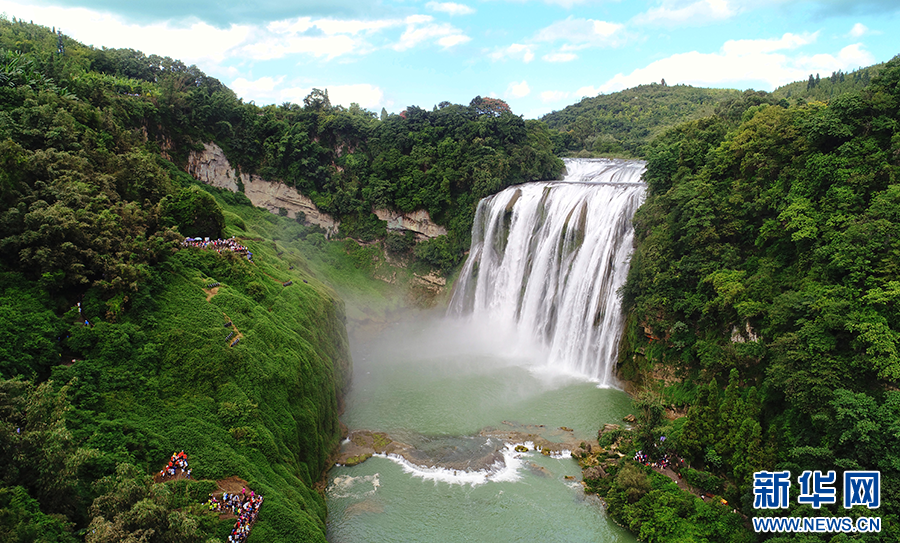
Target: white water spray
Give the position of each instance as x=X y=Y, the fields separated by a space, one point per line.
x=548 y=259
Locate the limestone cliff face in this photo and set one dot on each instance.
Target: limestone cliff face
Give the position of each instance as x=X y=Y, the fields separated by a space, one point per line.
x=417 y=221
x=211 y=167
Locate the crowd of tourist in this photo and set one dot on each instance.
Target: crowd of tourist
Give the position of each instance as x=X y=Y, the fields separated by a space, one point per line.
x=178 y=464
x=244 y=506
x=665 y=461
x=218 y=245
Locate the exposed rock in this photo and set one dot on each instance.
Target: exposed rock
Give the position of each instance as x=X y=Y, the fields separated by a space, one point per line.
x=211 y=167
x=748 y=334
x=540 y=471
x=418 y=222
x=610 y=428
x=432 y=280
x=629 y=418
x=594 y=472
x=578 y=453
x=512 y=201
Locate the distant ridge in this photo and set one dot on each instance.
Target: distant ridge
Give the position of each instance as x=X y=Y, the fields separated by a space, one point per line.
x=621 y=124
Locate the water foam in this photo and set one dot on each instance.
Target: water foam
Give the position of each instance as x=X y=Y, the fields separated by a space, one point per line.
x=505 y=470
x=347 y=486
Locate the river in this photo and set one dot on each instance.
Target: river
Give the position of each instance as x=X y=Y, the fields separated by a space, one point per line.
x=502 y=368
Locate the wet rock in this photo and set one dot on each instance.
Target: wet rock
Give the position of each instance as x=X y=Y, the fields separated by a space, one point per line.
x=354 y=460
x=594 y=472
x=538 y=470
x=578 y=453
x=521 y=448
x=609 y=428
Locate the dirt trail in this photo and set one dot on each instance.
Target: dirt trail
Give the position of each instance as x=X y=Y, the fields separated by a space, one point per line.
x=211 y=292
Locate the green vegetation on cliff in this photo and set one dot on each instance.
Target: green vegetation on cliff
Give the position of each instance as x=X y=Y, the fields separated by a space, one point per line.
x=119 y=345
x=115 y=342
x=765 y=285
x=622 y=123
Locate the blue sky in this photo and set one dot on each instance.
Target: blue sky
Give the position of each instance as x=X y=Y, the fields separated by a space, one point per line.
x=538 y=55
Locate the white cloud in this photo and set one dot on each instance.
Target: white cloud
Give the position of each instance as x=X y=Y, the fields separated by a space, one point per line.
x=674 y=12
x=340 y=26
x=741 y=62
x=560 y=57
x=751 y=47
x=418 y=19
x=266 y=90
x=582 y=33
x=589 y=91
x=548 y=97
x=518 y=89
x=320 y=46
x=453 y=39
x=515 y=51
x=859 y=30
x=367 y=96
x=444 y=34
x=566 y=3
x=264 y=86
x=451 y=8
x=327 y=38
x=190 y=41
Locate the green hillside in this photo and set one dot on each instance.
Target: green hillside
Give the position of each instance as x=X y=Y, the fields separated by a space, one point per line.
x=825 y=88
x=120 y=345
x=762 y=302
x=622 y=123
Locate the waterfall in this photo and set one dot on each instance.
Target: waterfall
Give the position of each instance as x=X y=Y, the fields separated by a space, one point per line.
x=548 y=259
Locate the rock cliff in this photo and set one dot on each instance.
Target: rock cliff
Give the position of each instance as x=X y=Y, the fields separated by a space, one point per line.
x=211 y=167
x=417 y=221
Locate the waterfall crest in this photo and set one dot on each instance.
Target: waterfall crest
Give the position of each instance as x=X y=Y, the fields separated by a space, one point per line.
x=548 y=259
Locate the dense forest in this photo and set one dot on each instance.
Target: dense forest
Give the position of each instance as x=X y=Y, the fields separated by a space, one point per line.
x=763 y=300
x=347 y=160
x=622 y=124
x=825 y=88
x=119 y=344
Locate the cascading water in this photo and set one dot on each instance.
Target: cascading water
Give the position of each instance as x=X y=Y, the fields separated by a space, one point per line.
x=465 y=406
x=548 y=259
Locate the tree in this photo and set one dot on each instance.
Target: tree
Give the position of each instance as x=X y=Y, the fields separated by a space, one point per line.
x=317 y=100
x=195 y=212
x=493 y=107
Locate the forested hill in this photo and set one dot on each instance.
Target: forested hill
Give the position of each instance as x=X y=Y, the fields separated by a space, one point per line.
x=765 y=294
x=622 y=123
x=120 y=344
x=348 y=160
x=825 y=88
